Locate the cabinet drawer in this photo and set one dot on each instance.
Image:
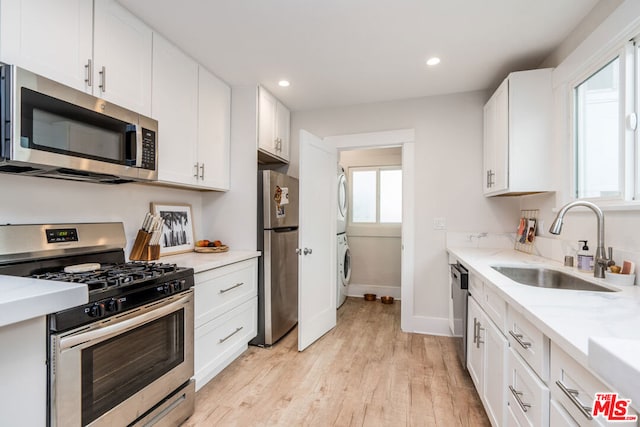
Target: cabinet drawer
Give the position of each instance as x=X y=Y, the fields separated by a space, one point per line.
x=218 y=342
x=527 y=396
x=575 y=388
x=529 y=342
x=220 y=289
x=495 y=307
x=559 y=417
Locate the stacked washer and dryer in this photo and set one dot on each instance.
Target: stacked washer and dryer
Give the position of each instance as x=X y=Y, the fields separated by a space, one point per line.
x=344 y=255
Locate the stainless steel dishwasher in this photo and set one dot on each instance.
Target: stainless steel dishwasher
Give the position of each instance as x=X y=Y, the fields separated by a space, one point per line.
x=458 y=308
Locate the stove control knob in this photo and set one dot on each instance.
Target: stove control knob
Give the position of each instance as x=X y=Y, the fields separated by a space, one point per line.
x=178 y=285
x=114 y=305
x=167 y=289
x=97 y=310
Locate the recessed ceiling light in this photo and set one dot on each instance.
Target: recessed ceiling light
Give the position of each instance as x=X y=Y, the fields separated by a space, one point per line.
x=284 y=83
x=433 y=61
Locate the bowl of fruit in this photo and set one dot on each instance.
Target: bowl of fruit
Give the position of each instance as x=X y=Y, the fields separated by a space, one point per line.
x=210 y=246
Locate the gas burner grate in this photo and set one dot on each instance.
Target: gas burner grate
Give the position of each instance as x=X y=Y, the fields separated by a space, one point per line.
x=112 y=275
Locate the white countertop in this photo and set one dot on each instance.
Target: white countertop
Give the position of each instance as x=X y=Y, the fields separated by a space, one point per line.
x=24 y=298
x=567 y=317
x=207 y=261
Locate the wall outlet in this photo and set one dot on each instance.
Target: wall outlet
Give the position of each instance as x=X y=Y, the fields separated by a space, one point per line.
x=439 y=224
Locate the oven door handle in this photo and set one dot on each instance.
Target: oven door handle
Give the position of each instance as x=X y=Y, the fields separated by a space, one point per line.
x=137 y=319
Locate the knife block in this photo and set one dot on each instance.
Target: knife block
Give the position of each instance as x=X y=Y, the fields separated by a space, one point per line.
x=140 y=247
x=150 y=253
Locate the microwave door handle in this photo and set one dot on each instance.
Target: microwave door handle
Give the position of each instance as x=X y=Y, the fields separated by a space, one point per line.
x=133 y=149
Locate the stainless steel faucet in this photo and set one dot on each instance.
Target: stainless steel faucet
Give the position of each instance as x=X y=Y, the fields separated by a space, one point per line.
x=601 y=261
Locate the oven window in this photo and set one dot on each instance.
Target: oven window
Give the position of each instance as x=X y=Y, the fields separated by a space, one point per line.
x=116 y=369
x=53 y=125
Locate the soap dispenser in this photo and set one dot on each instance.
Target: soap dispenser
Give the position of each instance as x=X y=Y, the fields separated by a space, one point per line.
x=585 y=259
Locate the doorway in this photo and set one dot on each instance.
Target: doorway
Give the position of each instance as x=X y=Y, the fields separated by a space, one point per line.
x=397 y=138
x=373 y=223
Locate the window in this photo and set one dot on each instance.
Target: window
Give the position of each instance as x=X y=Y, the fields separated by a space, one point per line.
x=376 y=195
x=603 y=103
x=597 y=135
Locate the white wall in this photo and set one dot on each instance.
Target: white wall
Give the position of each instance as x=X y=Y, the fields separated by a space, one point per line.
x=448 y=152
x=31 y=200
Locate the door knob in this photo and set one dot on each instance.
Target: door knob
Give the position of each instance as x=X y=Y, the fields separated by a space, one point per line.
x=307 y=251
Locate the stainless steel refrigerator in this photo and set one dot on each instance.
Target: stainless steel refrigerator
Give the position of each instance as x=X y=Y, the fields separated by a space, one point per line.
x=278 y=265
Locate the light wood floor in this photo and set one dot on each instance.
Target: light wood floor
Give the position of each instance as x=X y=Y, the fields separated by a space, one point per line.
x=365 y=372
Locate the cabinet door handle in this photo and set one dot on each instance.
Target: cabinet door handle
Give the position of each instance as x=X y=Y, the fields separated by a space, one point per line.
x=307 y=251
x=202 y=171
x=479 y=341
x=488 y=179
x=475 y=330
x=237 y=285
x=573 y=397
x=196 y=168
x=518 y=338
x=103 y=79
x=518 y=396
x=89 y=73
x=221 y=340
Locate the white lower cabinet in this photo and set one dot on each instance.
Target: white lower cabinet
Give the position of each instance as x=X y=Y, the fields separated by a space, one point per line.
x=226 y=316
x=475 y=350
x=486 y=361
x=495 y=383
x=574 y=388
x=529 y=342
x=558 y=417
x=528 y=396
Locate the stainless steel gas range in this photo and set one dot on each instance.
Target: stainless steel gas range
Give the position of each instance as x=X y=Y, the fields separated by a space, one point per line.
x=125 y=357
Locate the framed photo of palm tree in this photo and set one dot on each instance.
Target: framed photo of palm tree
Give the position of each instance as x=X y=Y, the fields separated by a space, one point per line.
x=177 y=233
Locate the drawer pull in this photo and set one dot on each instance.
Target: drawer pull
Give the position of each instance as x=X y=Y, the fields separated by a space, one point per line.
x=237 y=285
x=221 y=340
x=518 y=338
x=573 y=397
x=518 y=396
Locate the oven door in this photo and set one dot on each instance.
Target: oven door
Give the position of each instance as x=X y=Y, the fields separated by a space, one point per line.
x=114 y=371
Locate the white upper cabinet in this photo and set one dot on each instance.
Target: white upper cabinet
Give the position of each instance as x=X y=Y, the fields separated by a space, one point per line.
x=273 y=129
x=175 y=107
x=214 y=130
x=61 y=47
x=121 y=57
x=74 y=40
x=193 y=109
x=518 y=135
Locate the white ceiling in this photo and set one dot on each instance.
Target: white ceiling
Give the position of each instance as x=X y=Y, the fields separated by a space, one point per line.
x=341 y=52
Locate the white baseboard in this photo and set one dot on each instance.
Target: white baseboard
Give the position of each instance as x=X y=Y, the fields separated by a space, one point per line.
x=357 y=290
x=430 y=326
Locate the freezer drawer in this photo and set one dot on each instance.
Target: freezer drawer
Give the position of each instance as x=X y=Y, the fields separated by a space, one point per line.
x=278 y=286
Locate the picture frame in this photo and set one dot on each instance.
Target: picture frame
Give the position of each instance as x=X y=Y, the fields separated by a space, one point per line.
x=178 y=230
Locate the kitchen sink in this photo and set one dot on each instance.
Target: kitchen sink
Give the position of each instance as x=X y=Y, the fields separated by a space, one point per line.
x=547 y=278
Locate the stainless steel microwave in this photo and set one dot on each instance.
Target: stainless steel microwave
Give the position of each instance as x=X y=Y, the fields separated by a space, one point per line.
x=55 y=131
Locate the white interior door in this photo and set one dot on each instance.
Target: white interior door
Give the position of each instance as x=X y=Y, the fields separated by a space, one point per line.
x=317 y=239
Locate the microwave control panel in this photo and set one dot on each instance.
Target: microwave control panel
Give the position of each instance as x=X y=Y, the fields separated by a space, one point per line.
x=148 y=149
